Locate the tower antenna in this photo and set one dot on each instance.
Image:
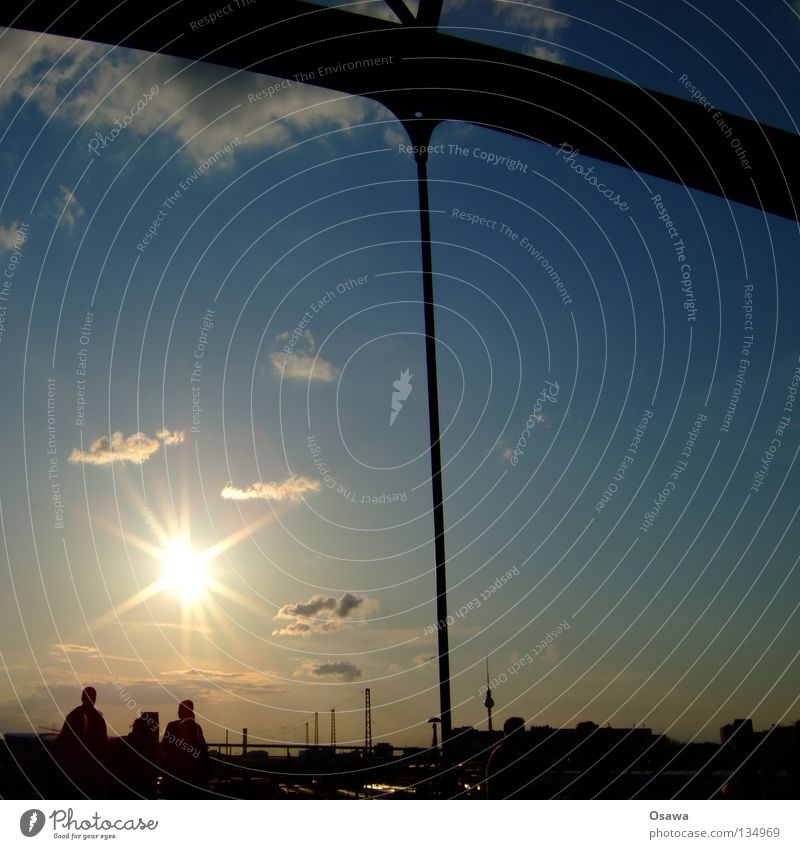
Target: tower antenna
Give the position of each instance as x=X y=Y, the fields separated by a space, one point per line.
x=488 y=702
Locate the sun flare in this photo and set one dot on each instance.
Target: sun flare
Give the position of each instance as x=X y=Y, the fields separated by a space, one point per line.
x=186 y=571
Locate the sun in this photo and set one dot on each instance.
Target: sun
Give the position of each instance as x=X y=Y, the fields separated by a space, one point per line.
x=186 y=571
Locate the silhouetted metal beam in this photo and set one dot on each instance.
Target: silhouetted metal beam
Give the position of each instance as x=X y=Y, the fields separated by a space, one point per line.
x=446 y=78
x=437 y=486
x=429 y=12
x=402 y=11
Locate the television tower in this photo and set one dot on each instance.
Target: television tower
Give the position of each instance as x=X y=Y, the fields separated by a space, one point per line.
x=488 y=702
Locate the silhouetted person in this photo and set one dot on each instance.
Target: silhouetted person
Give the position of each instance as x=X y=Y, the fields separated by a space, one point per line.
x=184 y=756
x=509 y=768
x=83 y=746
x=136 y=761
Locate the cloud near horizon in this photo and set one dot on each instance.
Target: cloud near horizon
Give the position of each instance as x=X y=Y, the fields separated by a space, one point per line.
x=322 y=614
x=292 y=489
x=340 y=670
x=215 y=685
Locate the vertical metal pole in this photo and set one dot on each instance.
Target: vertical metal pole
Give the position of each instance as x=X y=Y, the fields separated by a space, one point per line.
x=436 y=455
x=367 y=723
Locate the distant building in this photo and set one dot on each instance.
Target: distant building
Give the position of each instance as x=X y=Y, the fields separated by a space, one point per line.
x=740 y=729
x=467 y=743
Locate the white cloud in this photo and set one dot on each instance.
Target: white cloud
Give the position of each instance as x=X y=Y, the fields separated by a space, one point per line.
x=202 y=106
x=67 y=207
x=303 y=367
x=308 y=339
x=322 y=614
x=535 y=20
x=394 y=134
x=75 y=648
x=542 y=51
x=291 y=489
x=171 y=437
x=339 y=670
x=301 y=363
x=118 y=448
x=532 y=19
x=526 y=18
x=11 y=238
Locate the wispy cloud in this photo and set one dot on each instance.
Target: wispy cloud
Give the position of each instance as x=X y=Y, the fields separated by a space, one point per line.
x=300 y=362
x=291 y=489
x=303 y=367
x=542 y=51
x=67 y=207
x=117 y=448
x=219 y=685
x=322 y=614
x=75 y=648
x=200 y=106
x=88 y=652
x=532 y=18
x=11 y=237
x=537 y=19
x=338 y=670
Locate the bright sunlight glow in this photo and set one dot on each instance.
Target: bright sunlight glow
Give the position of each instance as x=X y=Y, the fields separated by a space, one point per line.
x=186 y=571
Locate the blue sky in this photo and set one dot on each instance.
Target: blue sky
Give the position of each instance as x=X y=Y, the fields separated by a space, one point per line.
x=283 y=248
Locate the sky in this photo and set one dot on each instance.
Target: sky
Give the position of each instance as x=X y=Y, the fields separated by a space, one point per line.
x=215 y=465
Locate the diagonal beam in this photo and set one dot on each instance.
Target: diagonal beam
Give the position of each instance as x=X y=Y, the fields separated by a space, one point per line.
x=421 y=71
x=402 y=11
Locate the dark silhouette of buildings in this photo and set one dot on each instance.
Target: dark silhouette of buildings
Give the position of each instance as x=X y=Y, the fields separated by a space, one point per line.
x=540 y=762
